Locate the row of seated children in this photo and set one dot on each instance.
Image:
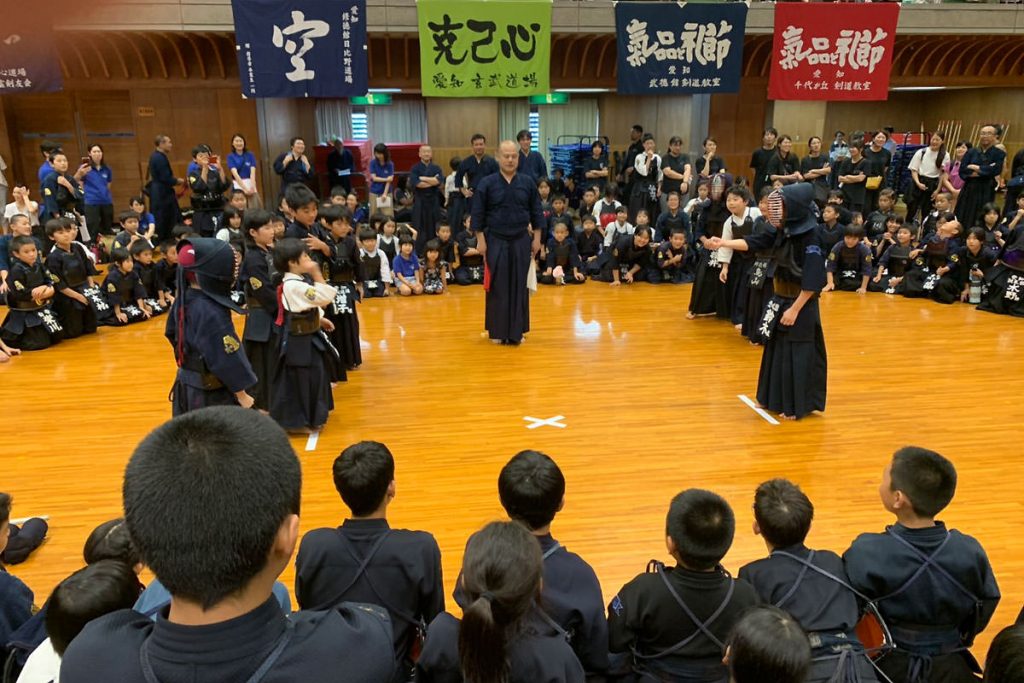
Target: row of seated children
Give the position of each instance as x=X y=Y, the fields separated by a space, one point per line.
x=53 y=295
x=531 y=609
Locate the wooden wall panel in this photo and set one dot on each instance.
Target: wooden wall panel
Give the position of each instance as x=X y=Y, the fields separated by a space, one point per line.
x=976 y=105
x=34 y=118
x=736 y=123
x=452 y=121
x=280 y=120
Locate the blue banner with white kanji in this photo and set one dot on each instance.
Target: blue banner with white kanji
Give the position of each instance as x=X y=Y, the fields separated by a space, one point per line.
x=671 y=48
x=28 y=58
x=301 y=48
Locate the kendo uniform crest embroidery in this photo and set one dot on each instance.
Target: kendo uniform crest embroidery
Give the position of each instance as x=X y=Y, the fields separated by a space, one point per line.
x=255 y=283
x=310 y=294
x=230 y=344
x=54 y=279
x=18 y=286
x=111 y=287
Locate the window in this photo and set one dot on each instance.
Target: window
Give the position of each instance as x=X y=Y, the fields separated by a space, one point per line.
x=359 y=124
x=534 y=129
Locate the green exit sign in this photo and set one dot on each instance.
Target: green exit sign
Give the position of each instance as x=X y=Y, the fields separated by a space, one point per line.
x=550 y=98
x=372 y=98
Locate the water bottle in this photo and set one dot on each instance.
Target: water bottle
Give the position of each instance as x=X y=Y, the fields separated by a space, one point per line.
x=974 y=292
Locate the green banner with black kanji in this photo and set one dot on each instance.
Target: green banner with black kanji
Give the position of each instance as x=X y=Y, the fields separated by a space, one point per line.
x=479 y=48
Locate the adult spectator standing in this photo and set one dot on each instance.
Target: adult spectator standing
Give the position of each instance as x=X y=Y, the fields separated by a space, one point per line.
x=761 y=157
x=163 y=203
x=339 y=166
x=1016 y=184
x=468 y=175
x=979 y=169
x=595 y=169
x=531 y=163
x=504 y=208
x=784 y=166
x=382 y=181
x=427 y=180
x=636 y=146
x=293 y=166
x=838 y=152
x=676 y=170
x=879 y=160
x=926 y=170
x=709 y=163
x=816 y=169
x=208 y=189
x=99 y=203
x=242 y=171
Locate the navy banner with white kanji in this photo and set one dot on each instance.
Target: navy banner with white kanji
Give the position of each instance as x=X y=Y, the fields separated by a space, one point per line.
x=301 y=48
x=28 y=60
x=665 y=47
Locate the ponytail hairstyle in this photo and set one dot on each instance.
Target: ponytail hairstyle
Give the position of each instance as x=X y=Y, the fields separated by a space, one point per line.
x=501 y=574
x=941 y=154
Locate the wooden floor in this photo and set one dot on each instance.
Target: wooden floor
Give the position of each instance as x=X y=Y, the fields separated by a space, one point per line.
x=649 y=400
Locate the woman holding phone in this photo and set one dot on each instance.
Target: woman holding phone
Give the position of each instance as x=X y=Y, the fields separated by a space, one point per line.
x=99 y=203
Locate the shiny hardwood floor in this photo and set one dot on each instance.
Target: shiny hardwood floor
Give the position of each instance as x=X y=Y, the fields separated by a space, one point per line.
x=649 y=400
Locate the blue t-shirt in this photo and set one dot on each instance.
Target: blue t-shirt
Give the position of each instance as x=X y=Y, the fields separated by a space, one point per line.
x=97 y=186
x=146 y=219
x=44 y=170
x=406 y=267
x=381 y=171
x=156 y=597
x=243 y=163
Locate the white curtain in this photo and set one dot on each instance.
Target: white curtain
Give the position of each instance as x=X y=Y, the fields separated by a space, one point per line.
x=404 y=120
x=513 y=116
x=578 y=118
x=333 y=120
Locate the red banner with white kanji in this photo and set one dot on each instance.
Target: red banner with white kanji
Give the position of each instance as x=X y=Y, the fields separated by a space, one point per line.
x=832 y=51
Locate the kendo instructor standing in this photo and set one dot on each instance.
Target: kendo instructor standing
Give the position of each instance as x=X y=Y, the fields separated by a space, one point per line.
x=503 y=209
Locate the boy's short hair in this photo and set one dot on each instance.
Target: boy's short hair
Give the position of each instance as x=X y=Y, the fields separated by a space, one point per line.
x=783 y=512
x=443 y=224
x=856 y=215
x=5 y=508
x=362 y=474
x=836 y=194
x=333 y=212
x=138 y=247
x=740 y=191
x=298 y=195
x=119 y=255
x=236 y=191
x=181 y=231
x=127 y=216
x=1005 y=660
x=255 y=219
x=852 y=230
x=287 y=250
x=110 y=541
x=888 y=192
x=169 y=244
x=560 y=225
x=97 y=589
x=367 y=234
x=226 y=475
x=895 y=218
x=621 y=209
x=531 y=488
x=54 y=225
x=767 y=644
x=588 y=218
x=702 y=525
x=18 y=217
x=339 y=191
x=557 y=198
x=20 y=241
x=977 y=233
x=925 y=477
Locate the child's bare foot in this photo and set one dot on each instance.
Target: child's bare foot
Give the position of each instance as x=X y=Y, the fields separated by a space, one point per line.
x=783 y=416
x=690 y=315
